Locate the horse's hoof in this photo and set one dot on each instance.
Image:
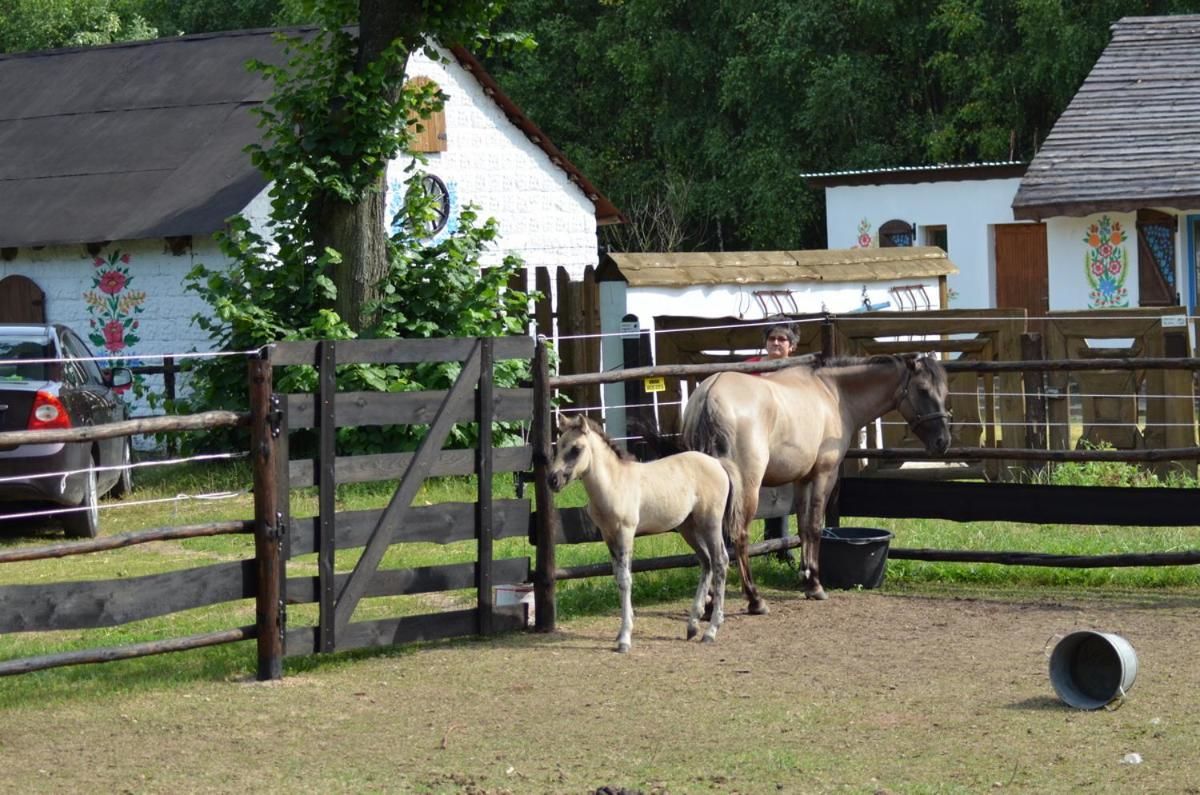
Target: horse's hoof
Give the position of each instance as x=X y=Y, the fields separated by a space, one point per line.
x=818 y=594
x=622 y=648
x=759 y=608
x=692 y=632
x=708 y=638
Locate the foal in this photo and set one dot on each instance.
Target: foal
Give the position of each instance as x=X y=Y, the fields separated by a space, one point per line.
x=690 y=491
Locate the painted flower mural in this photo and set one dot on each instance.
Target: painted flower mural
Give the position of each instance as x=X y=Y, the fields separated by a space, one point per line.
x=864 y=234
x=113 y=307
x=1106 y=264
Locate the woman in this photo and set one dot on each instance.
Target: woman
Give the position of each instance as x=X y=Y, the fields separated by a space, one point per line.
x=780 y=343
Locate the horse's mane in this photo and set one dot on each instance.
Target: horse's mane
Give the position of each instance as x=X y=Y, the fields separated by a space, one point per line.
x=596 y=427
x=936 y=371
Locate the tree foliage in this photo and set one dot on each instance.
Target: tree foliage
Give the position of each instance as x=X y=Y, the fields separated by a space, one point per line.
x=736 y=100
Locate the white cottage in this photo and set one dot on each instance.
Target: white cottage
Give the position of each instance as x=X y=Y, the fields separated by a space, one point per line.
x=118 y=164
x=1105 y=216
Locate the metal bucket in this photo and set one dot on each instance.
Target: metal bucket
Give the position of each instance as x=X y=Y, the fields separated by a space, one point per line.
x=1090 y=670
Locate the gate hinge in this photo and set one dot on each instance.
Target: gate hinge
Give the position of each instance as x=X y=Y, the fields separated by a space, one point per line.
x=275 y=415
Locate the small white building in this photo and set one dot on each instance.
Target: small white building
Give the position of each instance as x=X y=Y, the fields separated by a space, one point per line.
x=755 y=285
x=957 y=208
x=119 y=163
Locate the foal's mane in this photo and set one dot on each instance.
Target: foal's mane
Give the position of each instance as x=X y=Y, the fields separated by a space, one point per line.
x=595 y=427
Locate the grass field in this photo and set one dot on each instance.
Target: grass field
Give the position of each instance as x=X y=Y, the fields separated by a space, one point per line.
x=595 y=596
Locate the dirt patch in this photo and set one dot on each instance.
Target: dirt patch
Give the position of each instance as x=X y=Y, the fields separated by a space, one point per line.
x=867 y=692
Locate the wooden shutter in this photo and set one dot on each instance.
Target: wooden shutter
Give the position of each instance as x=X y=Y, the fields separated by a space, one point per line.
x=429 y=134
x=21 y=301
x=895 y=233
x=1156 y=258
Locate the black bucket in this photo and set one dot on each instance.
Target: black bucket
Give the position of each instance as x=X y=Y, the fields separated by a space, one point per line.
x=853 y=557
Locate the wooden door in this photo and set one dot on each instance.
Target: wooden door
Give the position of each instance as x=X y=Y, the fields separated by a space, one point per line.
x=21 y=301
x=1022 y=279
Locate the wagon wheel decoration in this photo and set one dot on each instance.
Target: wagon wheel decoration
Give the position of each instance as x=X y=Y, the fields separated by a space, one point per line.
x=439 y=200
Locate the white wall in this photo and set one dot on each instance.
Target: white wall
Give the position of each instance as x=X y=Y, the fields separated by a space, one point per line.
x=488 y=161
x=966 y=208
x=1068 y=250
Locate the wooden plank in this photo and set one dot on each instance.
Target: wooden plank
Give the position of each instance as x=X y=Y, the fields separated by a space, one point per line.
x=545 y=529
x=390 y=466
x=409 y=629
x=88 y=604
x=126 y=652
x=443 y=523
x=401 y=502
x=483 y=501
x=962 y=501
x=576 y=527
x=403 y=351
x=403 y=408
x=417 y=580
x=543 y=312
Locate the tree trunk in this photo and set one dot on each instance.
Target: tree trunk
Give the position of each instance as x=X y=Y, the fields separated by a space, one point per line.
x=358 y=231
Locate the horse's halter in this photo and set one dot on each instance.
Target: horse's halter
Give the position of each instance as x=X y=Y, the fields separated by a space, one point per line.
x=918 y=419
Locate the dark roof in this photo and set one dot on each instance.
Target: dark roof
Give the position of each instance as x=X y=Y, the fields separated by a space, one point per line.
x=147 y=139
x=1128 y=138
x=907 y=175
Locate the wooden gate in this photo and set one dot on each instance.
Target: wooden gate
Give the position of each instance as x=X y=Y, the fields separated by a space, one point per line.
x=471 y=399
x=1109 y=399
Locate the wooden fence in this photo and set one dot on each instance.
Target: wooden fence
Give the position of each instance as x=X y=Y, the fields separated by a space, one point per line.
x=881 y=496
x=280 y=423
x=294 y=445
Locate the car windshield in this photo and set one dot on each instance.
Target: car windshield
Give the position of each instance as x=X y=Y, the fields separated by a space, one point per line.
x=14 y=353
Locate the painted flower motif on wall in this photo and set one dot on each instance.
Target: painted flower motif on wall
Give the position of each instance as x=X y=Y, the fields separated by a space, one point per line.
x=113 y=307
x=864 y=234
x=1106 y=264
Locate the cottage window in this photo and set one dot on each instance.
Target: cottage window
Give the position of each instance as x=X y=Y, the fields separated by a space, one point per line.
x=936 y=236
x=895 y=234
x=429 y=133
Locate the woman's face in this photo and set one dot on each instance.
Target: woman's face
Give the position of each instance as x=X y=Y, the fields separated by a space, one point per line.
x=779 y=345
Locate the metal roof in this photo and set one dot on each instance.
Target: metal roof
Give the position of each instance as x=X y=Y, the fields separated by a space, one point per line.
x=775 y=267
x=147 y=139
x=1127 y=140
x=904 y=175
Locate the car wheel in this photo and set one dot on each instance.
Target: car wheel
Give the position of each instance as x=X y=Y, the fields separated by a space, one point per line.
x=85 y=523
x=124 y=485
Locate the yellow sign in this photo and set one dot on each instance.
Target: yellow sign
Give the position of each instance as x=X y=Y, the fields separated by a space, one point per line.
x=655 y=383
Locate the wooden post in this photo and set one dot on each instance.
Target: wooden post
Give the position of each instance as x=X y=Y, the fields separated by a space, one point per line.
x=268 y=531
x=828 y=344
x=1035 y=394
x=546 y=531
x=169 y=390
x=326 y=493
x=483 y=502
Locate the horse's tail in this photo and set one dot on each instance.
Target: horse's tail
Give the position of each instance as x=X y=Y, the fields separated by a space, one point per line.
x=702 y=428
x=659 y=446
x=731 y=521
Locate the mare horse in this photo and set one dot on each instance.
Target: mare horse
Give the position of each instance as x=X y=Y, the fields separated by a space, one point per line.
x=691 y=491
x=794 y=426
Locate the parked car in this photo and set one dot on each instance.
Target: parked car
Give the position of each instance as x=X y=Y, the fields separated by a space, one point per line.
x=49 y=380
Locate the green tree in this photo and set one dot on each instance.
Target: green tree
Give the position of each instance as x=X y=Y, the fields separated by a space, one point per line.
x=337 y=116
x=27 y=25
